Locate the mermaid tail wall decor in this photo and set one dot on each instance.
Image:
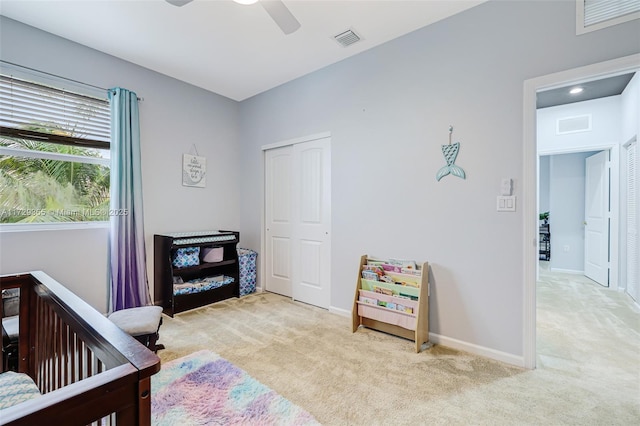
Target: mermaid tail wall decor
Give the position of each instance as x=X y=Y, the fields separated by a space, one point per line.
x=450 y=153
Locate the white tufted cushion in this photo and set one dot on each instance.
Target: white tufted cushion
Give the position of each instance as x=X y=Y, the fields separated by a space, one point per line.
x=138 y=321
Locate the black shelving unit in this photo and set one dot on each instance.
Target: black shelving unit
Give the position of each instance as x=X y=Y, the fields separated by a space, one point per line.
x=545 y=242
x=165 y=247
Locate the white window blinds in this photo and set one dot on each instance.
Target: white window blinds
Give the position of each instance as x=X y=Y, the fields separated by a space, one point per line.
x=34 y=111
x=599 y=11
x=596 y=14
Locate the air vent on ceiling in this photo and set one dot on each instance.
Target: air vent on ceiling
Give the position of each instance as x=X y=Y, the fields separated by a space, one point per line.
x=580 y=123
x=347 y=38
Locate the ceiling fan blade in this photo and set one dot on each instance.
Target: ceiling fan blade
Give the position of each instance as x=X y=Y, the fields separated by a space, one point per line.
x=179 y=2
x=281 y=15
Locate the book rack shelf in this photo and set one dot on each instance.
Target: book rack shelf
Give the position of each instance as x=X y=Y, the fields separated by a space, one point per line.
x=399 y=307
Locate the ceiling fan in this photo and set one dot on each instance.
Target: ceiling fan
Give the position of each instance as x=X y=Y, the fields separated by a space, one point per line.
x=275 y=8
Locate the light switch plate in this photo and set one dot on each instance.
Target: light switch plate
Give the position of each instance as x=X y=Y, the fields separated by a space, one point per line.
x=506 y=203
x=506 y=186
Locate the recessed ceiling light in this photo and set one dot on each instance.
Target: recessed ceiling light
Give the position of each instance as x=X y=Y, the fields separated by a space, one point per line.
x=576 y=90
x=246 y=2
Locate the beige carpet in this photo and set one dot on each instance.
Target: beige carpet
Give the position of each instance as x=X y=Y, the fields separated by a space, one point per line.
x=589 y=363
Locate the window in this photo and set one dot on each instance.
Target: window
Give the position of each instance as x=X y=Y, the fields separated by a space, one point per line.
x=54 y=153
x=594 y=15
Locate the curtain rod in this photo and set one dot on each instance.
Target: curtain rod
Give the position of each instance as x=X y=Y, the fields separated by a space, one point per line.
x=59 y=76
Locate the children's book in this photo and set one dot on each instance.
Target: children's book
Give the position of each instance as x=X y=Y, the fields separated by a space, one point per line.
x=408 y=264
x=382 y=290
x=370 y=275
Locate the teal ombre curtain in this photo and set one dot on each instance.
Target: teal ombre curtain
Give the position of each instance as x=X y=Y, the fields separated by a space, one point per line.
x=127 y=257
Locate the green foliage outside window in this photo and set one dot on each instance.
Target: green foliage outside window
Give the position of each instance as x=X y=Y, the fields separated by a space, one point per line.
x=40 y=190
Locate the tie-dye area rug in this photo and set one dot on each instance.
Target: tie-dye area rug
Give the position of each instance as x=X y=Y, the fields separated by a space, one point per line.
x=206 y=389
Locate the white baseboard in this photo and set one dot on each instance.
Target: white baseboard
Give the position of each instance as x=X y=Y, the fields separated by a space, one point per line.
x=567 y=271
x=517 y=360
x=437 y=339
x=332 y=309
x=340 y=311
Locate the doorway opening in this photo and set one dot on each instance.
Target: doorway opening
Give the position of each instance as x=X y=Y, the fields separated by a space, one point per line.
x=531 y=135
x=575 y=195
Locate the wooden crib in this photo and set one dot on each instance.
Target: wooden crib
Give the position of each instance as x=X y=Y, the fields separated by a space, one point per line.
x=87 y=369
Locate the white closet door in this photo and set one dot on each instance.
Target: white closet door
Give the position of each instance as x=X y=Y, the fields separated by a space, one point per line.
x=633 y=265
x=298 y=221
x=312 y=222
x=596 y=233
x=278 y=220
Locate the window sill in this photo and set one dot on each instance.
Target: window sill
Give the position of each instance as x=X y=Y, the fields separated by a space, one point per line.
x=33 y=227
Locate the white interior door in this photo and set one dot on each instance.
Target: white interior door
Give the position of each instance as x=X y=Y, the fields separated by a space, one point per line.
x=298 y=221
x=312 y=217
x=633 y=219
x=278 y=220
x=596 y=234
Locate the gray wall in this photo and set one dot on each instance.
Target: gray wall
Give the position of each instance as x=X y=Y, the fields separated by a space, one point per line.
x=173 y=116
x=606 y=124
x=388 y=110
x=543 y=184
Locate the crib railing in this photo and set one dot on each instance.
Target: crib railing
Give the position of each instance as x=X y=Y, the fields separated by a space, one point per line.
x=87 y=369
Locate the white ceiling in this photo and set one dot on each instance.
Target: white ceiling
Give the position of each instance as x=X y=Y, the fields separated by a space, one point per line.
x=230 y=49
